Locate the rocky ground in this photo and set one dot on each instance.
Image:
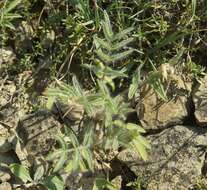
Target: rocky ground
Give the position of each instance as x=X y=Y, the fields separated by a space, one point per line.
x=176 y=129
x=177 y=132
x=45 y=40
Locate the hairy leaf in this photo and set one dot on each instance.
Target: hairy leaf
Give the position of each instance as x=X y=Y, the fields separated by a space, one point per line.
x=21 y=172
x=53 y=183
x=39 y=173
x=12 y=5
x=122 y=44
x=135 y=82
x=107 y=28
x=101 y=183
x=123 y=33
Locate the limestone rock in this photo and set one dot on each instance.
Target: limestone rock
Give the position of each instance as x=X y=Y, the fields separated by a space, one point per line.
x=117 y=181
x=5 y=186
x=82 y=181
x=13 y=102
x=37 y=132
x=4 y=175
x=175 y=160
x=200 y=102
x=155 y=113
x=5 y=145
x=7 y=56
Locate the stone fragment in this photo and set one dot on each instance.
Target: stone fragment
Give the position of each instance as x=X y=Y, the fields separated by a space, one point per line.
x=5 y=145
x=117 y=181
x=155 y=113
x=7 y=56
x=5 y=186
x=175 y=160
x=37 y=132
x=200 y=102
x=4 y=175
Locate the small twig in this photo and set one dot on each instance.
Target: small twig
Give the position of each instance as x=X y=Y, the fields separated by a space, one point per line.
x=62 y=118
x=6 y=125
x=70 y=58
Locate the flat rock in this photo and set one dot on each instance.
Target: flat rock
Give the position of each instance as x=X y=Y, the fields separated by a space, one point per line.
x=5 y=186
x=4 y=174
x=13 y=102
x=175 y=160
x=200 y=102
x=155 y=113
x=37 y=132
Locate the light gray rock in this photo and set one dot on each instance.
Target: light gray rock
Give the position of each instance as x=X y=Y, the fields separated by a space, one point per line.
x=82 y=181
x=37 y=133
x=175 y=159
x=7 y=56
x=5 y=145
x=5 y=186
x=200 y=102
x=117 y=181
x=4 y=175
x=155 y=113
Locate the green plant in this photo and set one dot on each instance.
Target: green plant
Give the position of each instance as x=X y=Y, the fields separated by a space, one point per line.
x=50 y=182
x=115 y=41
x=112 y=43
x=135 y=82
x=80 y=155
x=135 y=185
x=85 y=13
x=104 y=120
x=6 y=18
x=194 y=68
x=110 y=50
x=101 y=184
x=6 y=15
